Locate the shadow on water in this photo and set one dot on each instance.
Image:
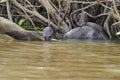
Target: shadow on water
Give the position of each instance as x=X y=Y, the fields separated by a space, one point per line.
x=60 y=60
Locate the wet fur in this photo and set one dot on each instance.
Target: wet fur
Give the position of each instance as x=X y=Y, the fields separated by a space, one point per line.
x=88 y=31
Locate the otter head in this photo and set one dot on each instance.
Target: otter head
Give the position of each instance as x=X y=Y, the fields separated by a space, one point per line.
x=48 y=33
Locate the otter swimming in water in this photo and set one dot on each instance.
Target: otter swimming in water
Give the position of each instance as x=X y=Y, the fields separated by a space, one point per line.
x=47 y=33
x=85 y=32
x=89 y=31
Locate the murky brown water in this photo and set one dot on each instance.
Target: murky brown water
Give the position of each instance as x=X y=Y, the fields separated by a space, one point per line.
x=61 y=60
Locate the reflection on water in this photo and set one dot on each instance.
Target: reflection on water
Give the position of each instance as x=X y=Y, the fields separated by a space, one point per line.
x=61 y=60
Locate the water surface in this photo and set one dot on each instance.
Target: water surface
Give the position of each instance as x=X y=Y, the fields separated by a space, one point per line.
x=61 y=60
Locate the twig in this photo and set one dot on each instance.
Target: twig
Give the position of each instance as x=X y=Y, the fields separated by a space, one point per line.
x=8 y=10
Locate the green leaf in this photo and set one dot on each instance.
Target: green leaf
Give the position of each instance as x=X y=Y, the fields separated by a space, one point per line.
x=21 y=21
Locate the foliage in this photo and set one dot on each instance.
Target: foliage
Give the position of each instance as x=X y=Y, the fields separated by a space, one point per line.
x=30 y=27
x=21 y=21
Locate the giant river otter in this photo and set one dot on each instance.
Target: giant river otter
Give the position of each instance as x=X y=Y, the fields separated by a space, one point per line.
x=89 y=31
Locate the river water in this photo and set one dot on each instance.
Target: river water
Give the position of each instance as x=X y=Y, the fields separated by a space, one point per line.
x=60 y=60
